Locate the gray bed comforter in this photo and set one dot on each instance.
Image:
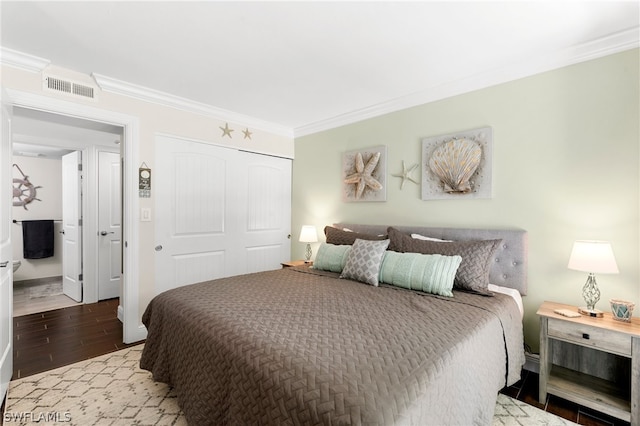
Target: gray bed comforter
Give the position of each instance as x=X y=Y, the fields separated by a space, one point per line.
x=295 y=347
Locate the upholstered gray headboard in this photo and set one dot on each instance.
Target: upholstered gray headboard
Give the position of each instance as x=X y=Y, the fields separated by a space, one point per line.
x=510 y=260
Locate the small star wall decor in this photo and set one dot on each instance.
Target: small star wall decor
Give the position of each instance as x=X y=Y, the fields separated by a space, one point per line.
x=405 y=175
x=247 y=133
x=226 y=131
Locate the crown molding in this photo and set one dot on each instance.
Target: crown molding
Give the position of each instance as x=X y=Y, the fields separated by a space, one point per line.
x=22 y=61
x=608 y=45
x=35 y=64
x=614 y=43
x=146 y=94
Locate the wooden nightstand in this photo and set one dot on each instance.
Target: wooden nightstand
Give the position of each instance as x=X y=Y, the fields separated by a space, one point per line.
x=602 y=334
x=296 y=263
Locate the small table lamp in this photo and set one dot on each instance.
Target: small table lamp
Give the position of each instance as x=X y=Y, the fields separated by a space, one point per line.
x=592 y=257
x=308 y=234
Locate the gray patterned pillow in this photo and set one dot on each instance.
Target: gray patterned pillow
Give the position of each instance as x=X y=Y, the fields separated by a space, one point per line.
x=473 y=273
x=363 y=261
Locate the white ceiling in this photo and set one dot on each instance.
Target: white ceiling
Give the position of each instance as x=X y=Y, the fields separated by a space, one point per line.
x=306 y=66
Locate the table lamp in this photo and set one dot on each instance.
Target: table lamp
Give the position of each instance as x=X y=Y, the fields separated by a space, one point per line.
x=592 y=257
x=308 y=235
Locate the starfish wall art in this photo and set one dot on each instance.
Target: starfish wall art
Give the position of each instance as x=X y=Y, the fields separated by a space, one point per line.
x=364 y=174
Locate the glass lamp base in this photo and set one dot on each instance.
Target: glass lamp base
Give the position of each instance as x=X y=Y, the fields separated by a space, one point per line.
x=597 y=313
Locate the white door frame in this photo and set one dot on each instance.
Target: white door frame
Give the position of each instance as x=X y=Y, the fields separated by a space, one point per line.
x=133 y=329
x=6 y=271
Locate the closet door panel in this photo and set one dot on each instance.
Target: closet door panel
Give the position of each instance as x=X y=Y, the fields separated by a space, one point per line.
x=195 y=209
x=266 y=204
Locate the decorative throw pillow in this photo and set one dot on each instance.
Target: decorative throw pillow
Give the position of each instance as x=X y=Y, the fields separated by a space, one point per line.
x=431 y=273
x=340 y=237
x=331 y=257
x=363 y=261
x=473 y=272
x=425 y=238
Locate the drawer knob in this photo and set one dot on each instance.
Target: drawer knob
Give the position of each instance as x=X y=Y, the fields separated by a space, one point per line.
x=585 y=336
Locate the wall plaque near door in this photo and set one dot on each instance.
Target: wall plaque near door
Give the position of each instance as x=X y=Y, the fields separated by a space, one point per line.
x=144 y=181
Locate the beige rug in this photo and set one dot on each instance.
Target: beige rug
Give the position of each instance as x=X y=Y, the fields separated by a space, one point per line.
x=113 y=390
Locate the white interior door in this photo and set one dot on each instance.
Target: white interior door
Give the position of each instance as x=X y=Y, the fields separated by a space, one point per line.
x=72 y=226
x=265 y=211
x=6 y=253
x=195 y=207
x=109 y=225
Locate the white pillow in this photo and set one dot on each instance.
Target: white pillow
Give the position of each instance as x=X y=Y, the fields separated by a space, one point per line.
x=422 y=237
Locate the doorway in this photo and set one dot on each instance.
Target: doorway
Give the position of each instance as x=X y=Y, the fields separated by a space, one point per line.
x=88 y=257
x=129 y=309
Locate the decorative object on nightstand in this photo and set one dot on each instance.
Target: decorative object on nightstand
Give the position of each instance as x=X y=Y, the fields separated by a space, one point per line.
x=308 y=234
x=592 y=257
x=621 y=309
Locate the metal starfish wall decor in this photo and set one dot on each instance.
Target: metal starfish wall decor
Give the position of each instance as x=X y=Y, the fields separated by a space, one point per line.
x=226 y=131
x=405 y=175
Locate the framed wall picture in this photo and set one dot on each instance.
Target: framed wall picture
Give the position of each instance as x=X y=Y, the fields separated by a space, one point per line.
x=457 y=165
x=364 y=174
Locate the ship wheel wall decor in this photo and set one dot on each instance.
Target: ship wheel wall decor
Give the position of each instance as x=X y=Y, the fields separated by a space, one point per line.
x=23 y=191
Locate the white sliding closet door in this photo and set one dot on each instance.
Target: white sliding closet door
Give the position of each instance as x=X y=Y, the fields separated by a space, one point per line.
x=205 y=225
x=265 y=188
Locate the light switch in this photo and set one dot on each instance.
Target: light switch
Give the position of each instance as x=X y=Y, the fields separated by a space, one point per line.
x=145 y=214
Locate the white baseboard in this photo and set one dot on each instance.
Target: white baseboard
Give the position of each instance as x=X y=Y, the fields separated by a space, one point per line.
x=532 y=362
x=121 y=313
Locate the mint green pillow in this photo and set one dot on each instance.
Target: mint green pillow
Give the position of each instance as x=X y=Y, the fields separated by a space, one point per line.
x=431 y=273
x=331 y=257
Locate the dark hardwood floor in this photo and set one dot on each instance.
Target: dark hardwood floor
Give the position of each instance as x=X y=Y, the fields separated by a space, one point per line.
x=56 y=338
x=52 y=339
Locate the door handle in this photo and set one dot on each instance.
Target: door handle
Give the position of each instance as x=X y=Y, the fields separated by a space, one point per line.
x=103 y=233
x=62 y=232
x=4 y=264
x=158 y=247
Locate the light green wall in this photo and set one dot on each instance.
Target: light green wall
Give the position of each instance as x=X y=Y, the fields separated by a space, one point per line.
x=565 y=167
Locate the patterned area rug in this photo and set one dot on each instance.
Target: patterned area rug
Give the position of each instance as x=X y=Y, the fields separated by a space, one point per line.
x=113 y=390
x=45 y=290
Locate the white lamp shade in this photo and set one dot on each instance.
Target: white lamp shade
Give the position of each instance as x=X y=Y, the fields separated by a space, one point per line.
x=308 y=234
x=593 y=256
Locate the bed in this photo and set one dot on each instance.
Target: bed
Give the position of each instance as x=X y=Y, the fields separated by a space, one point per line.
x=304 y=346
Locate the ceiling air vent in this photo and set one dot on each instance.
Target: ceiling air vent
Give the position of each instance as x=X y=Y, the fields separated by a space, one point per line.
x=69 y=87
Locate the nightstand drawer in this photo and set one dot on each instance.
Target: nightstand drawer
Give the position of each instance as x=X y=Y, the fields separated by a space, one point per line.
x=597 y=338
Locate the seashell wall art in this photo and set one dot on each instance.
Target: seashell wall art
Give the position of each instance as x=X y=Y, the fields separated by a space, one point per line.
x=458 y=165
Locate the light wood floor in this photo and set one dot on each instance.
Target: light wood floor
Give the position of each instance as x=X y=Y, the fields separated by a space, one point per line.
x=29 y=298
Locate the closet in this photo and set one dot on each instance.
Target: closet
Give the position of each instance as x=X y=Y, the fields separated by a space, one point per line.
x=219 y=211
